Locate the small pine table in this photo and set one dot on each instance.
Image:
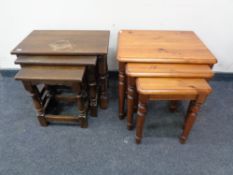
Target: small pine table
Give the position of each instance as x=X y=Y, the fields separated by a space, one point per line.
x=152 y=46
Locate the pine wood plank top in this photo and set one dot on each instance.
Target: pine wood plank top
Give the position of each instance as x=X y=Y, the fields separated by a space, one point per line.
x=57 y=60
x=162 y=47
x=48 y=73
x=64 y=42
x=172 y=86
x=168 y=70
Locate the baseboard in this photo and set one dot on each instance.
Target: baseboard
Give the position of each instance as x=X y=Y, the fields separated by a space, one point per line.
x=8 y=73
x=219 y=76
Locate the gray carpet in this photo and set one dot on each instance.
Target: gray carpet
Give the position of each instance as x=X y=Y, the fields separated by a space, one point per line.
x=107 y=147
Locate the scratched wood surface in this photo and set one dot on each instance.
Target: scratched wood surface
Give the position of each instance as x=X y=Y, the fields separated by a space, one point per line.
x=56 y=60
x=64 y=42
x=162 y=47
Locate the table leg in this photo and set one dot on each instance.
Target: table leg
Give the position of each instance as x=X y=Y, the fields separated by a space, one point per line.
x=191 y=103
x=32 y=89
x=191 y=117
x=142 y=109
x=121 y=89
x=130 y=101
x=91 y=76
x=102 y=68
x=77 y=88
x=173 y=105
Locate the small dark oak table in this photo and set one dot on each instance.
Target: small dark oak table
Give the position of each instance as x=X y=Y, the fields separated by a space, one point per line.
x=65 y=44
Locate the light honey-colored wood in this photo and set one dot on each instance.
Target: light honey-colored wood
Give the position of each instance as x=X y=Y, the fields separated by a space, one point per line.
x=195 y=90
x=162 y=47
x=172 y=86
x=168 y=70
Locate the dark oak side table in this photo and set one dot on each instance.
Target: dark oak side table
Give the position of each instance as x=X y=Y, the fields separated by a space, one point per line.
x=89 y=62
x=69 y=43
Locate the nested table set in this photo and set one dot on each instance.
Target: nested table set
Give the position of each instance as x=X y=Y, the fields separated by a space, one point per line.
x=153 y=65
x=78 y=59
x=162 y=65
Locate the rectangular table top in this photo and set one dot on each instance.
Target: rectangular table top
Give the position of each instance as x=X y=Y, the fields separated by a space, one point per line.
x=51 y=73
x=162 y=47
x=57 y=60
x=64 y=42
x=168 y=70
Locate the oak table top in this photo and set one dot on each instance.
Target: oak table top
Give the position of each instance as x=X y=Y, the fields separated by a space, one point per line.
x=64 y=42
x=60 y=73
x=56 y=60
x=162 y=47
x=67 y=48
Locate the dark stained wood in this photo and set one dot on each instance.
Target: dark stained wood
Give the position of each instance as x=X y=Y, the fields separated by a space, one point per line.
x=91 y=78
x=57 y=60
x=77 y=88
x=48 y=73
x=36 y=101
x=130 y=101
x=62 y=47
x=121 y=89
x=103 y=79
x=61 y=118
x=66 y=98
x=173 y=105
x=66 y=42
x=55 y=75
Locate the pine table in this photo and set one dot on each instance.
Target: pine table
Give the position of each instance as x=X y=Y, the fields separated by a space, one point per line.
x=165 y=47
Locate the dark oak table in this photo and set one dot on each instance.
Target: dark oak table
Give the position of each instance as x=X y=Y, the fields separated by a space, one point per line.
x=41 y=46
x=32 y=76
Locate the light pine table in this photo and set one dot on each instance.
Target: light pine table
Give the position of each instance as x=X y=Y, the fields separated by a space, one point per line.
x=165 y=47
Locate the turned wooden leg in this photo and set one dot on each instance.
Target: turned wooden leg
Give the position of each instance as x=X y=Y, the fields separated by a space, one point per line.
x=173 y=105
x=142 y=109
x=91 y=76
x=191 y=103
x=102 y=68
x=191 y=117
x=130 y=101
x=135 y=101
x=121 y=89
x=77 y=88
x=52 y=92
x=33 y=91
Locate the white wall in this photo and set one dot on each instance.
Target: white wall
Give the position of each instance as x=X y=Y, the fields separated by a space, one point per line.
x=212 y=20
